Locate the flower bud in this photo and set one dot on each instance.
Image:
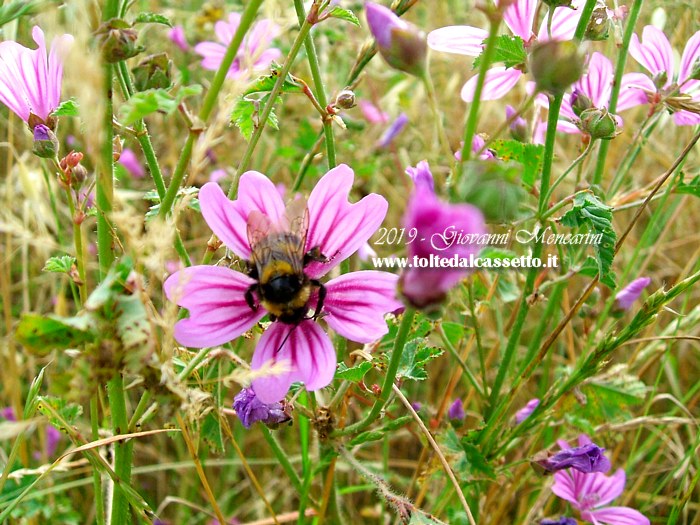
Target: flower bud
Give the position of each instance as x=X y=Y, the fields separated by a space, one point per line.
x=557 y=3
x=660 y=80
x=71 y=160
x=598 y=123
x=598 y=26
x=580 y=102
x=555 y=65
x=403 y=45
x=118 y=41
x=45 y=142
x=518 y=125
x=153 y=72
x=79 y=174
x=345 y=99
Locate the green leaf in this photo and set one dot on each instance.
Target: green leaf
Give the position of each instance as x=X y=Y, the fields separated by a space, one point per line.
x=212 y=433
x=187 y=192
x=42 y=334
x=152 y=18
x=265 y=83
x=366 y=437
x=529 y=155
x=355 y=373
x=453 y=331
x=590 y=269
x=150 y=101
x=61 y=264
x=344 y=14
x=16 y=9
x=415 y=356
x=68 y=412
x=589 y=211
x=67 y=108
x=692 y=188
x=246 y=114
x=111 y=286
x=510 y=50
x=132 y=324
x=418 y=517
x=478 y=466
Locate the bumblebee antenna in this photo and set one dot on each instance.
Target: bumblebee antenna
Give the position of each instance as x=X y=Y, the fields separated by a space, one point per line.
x=286 y=337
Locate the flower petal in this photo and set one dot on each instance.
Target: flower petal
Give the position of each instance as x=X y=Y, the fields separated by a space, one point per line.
x=228 y=219
x=596 y=84
x=215 y=298
x=686 y=118
x=654 y=52
x=616 y=516
x=519 y=17
x=336 y=226
x=564 y=22
x=462 y=40
x=633 y=87
x=225 y=30
x=498 y=82
x=691 y=54
x=356 y=303
x=565 y=486
x=304 y=349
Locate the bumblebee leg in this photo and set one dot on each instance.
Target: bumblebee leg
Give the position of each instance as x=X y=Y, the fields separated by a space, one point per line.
x=249 y=299
x=321 y=297
x=315 y=255
x=251 y=271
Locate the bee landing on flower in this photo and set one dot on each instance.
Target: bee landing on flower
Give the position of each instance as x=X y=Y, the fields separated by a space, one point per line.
x=290 y=249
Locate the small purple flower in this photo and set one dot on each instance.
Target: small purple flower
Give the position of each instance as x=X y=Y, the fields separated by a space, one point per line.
x=630 y=293
x=416 y=405
x=591 y=493
x=131 y=163
x=372 y=113
x=655 y=54
x=250 y=409
x=253 y=55
x=478 y=144
x=456 y=410
x=525 y=412
x=393 y=130
x=561 y=521
x=586 y=458
x=30 y=79
x=421 y=175
x=8 y=413
x=177 y=37
x=355 y=302
x=431 y=218
x=42 y=133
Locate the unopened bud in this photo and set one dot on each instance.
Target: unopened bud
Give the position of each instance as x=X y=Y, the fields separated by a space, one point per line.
x=598 y=26
x=402 y=45
x=153 y=72
x=660 y=80
x=35 y=120
x=345 y=99
x=580 y=102
x=45 y=142
x=599 y=124
x=518 y=125
x=555 y=65
x=552 y=4
x=118 y=40
x=71 y=160
x=79 y=174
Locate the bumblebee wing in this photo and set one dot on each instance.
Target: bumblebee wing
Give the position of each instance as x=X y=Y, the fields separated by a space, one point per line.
x=297 y=217
x=259 y=226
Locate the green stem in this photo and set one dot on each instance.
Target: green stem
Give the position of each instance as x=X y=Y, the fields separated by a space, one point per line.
x=473 y=118
x=122 y=449
x=96 y=476
x=282 y=458
x=54 y=207
x=78 y=243
x=630 y=157
x=399 y=343
x=619 y=71
x=435 y=108
x=568 y=170
x=312 y=56
x=208 y=105
x=276 y=89
x=104 y=186
x=552 y=120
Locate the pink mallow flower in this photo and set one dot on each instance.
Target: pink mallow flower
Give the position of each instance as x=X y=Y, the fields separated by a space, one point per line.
x=177 y=37
x=519 y=17
x=655 y=54
x=354 y=305
x=443 y=230
x=626 y=297
x=131 y=163
x=254 y=54
x=525 y=412
x=30 y=79
x=591 y=492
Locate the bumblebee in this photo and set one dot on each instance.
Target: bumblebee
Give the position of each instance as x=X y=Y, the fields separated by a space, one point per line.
x=277 y=264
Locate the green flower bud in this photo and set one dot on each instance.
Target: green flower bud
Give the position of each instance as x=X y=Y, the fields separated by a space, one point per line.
x=598 y=27
x=117 y=40
x=555 y=65
x=599 y=124
x=45 y=142
x=557 y=3
x=345 y=99
x=580 y=102
x=153 y=72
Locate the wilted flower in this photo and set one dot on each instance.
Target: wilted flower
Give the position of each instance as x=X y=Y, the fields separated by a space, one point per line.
x=131 y=163
x=177 y=37
x=525 y=412
x=456 y=411
x=393 y=130
x=354 y=304
x=518 y=125
x=655 y=54
x=30 y=80
x=372 y=113
x=437 y=224
x=250 y=409
x=253 y=54
x=421 y=175
x=555 y=65
x=519 y=16
x=591 y=493
x=401 y=44
x=587 y=457
x=630 y=293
